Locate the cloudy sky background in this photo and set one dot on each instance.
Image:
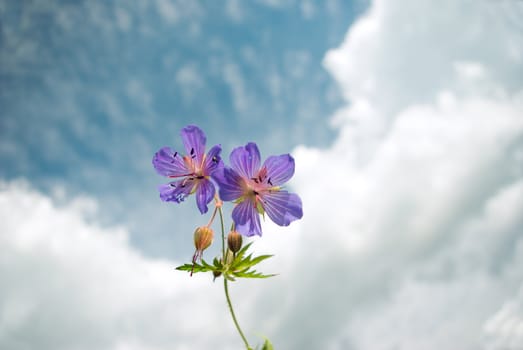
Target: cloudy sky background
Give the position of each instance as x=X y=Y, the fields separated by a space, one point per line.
x=406 y=122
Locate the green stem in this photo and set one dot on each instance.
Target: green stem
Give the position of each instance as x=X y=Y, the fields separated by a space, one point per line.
x=226 y=287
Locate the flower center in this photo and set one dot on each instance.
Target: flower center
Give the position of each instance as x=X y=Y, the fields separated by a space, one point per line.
x=255 y=187
x=195 y=169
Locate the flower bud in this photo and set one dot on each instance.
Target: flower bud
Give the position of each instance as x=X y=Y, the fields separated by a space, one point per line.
x=203 y=238
x=234 y=241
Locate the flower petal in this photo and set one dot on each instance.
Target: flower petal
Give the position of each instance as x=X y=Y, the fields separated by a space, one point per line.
x=282 y=207
x=218 y=174
x=176 y=191
x=230 y=184
x=204 y=194
x=246 y=219
x=169 y=163
x=246 y=160
x=279 y=169
x=212 y=160
x=194 y=142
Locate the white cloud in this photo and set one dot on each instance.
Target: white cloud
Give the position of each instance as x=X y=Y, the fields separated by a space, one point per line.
x=411 y=236
x=234 y=79
x=297 y=63
x=190 y=81
x=277 y=4
x=168 y=11
x=505 y=328
x=234 y=9
x=68 y=283
x=139 y=93
x=403 y=52
x=174 y=11
x=123 y=19
x=442 y=302
x=307 y=9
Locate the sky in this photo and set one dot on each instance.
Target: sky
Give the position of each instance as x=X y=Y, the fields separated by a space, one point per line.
x=405 y=118
x=89 y=91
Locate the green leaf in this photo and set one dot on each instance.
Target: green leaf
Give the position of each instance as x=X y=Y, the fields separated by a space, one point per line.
x=241 y=266
x=237 y=266
x=242 y=251
x=249 y=261
x=267 y=345
x=251 y=274
x=204 y=267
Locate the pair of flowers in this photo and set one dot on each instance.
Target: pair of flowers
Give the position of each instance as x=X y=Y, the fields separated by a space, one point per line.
x=255 y=188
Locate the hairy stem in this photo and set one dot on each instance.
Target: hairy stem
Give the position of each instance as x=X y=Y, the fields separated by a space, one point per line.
x=226 y=286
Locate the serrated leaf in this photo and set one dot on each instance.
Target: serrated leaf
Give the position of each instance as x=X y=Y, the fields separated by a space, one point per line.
x=267 y=345
x=207 y=265
x=241 y=252
x=190 y=268
x=241 y=265
x=251 y=274
x=249 y=261
x=184 y=267
x=204 y=267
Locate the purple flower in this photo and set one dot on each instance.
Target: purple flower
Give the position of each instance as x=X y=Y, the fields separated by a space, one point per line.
x=257 y=190
x=192 y=171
